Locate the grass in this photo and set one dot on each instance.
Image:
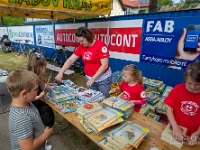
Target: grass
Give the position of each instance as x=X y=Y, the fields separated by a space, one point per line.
x=71 y=137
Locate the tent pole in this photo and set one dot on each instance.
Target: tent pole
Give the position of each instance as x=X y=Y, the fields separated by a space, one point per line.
x=54 y=34
x=108 y=32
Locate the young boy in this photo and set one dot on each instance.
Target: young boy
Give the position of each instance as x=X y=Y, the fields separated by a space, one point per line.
x=26 y=129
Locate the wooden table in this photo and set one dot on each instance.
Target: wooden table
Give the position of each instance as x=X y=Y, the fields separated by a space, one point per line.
x=152 y=139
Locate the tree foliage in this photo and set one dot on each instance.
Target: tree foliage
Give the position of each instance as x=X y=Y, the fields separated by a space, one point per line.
x=164 y=3
x=156 y=5
x=9 y=21
x=188 y=4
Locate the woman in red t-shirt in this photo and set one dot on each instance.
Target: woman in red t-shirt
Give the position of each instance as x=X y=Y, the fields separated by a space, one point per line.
x=95 y=57
x=131 y=87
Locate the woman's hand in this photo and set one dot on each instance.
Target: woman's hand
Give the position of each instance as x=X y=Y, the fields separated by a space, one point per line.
x=181 y=54
x=90 y=82
x=59 y=77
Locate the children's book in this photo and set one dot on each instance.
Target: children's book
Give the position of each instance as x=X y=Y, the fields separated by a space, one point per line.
x=89 y=107
x=114 y=101
x=167 y=91
x=128 y=134
x=167 y=136
x=101 y=118
x=106 y=145
x=153 y=116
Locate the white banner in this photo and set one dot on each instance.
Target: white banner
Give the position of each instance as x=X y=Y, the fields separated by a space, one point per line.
x=21 y=33
x=44 y=36
x=3 y=31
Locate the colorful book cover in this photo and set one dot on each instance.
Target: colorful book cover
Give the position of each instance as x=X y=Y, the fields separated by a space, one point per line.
x=101 y=118
x=89 y=107
x=129 y=134
x=115 y=101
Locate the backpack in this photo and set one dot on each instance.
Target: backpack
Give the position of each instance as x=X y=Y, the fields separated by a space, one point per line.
x=46 y=113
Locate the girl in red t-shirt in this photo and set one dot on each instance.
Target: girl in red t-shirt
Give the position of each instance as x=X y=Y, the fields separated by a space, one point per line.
x=183 y=105
x=131 y=86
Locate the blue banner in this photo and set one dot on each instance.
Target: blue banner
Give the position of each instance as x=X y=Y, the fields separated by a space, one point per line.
x=171 y=42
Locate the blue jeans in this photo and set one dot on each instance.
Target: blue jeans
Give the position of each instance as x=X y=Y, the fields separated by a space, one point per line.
x=102 y=86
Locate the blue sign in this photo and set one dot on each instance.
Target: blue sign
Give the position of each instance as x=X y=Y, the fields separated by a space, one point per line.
x=171 y=42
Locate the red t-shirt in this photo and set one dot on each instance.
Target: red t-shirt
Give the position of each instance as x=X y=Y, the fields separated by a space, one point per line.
x=135 y=92
x=185 y=106
x=91 y=56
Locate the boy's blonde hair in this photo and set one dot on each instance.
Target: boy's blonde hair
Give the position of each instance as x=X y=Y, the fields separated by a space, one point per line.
x=19 y=80
x=193 y=71
x=35 y=62
x=134 y=72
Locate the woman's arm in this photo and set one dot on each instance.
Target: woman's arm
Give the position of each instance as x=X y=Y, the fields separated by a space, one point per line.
x=66 y=66
x=100 y=71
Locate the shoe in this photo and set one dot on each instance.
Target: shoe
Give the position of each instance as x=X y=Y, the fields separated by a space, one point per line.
x=48 y=147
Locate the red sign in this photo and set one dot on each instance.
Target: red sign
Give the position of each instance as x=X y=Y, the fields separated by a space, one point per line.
x=126 y=40
x=66 y=37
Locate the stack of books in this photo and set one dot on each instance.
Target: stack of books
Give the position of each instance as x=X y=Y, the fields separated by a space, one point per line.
x=121 y=105
x=154 y=85
x=167 y=136
x=167 y=91
x=66 y=106
x=153 y=116
x=95 y=119
x=125 y=137
x=68 y=83
x=87 y=108
x=88 y=95
x=152 y=98
x=161 y=106
x=60 y=93
x=117 y=77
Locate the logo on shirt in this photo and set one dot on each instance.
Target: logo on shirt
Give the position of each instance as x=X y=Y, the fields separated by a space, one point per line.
x=87 y=55
x=142 y=94
x=189 y=107
x=104 y=49
x=125 y=95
